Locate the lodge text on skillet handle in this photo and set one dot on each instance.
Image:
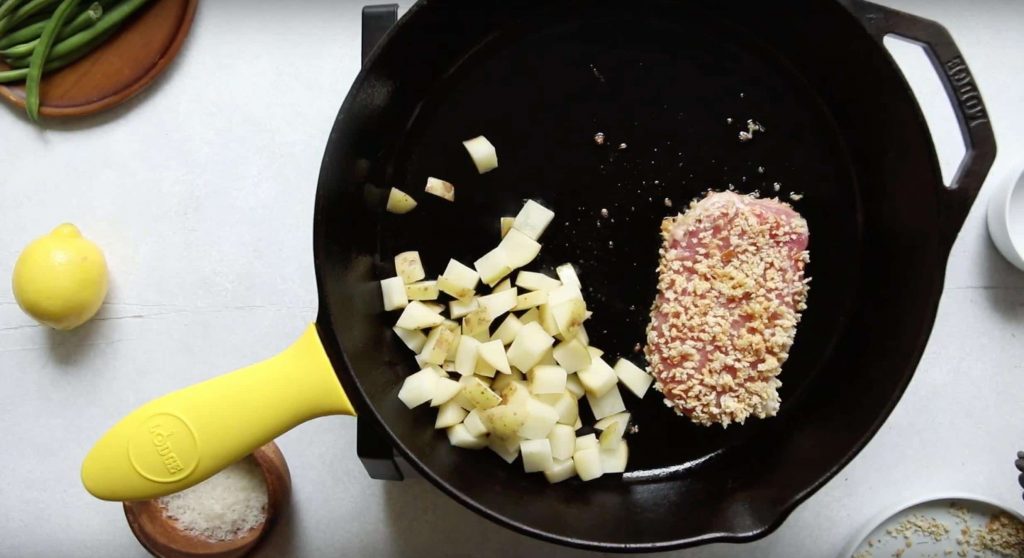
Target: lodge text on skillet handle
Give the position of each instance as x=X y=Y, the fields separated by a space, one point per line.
x=178 y=440
x=377 y=19
x=962 y=90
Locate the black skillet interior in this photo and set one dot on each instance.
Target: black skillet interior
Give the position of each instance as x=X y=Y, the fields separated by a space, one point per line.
x=670 y=85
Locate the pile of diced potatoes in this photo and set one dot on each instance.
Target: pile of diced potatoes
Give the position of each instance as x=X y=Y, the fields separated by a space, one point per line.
x=507 y=370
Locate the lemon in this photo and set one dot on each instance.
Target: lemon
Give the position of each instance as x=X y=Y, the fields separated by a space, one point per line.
x=60 y=279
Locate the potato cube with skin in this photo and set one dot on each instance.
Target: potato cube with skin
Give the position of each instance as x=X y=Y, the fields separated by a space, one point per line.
x=586 y=442
x=493 y=353
x=493 y=266
x=475 y=424
x=507 y=331
x=504 y=421
x=569 y=317
x=498 y=304
x=515 y=393
x=530 y=299
x=572 y=355
x=518 y=248
x=533 y=219
x=444 y=391
x=503 y=380
x=545 y=379
x=633 y=377
x=458 y=280
x=460 y=307
x=418 y=388
x=567 y=275
x=534 y=281
x=597 y=378
x=393 y=292
x=459 y=437
x=476 y=323
x=506 y=225
x=588 y=464
x=417 y=315
x=536 y=455
x=574 y=386
x=409 y=267
x=540 y=418
x=622 y=418
x=423 y=290
x=466 y=356
x=547 y=320
x=449 y=414
x=563 y=441
x=439 y=341
x=399 y=202
x=611 y=436
x=607 y=404
x=440 y=188
x=479 y=394
x=413 y=338
x=529 y=347
x=506 y=448
x=614 y=460
x=560 y=470
x=485 y=157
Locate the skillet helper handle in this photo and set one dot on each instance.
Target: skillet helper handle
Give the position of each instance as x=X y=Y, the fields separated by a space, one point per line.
x=377 y=19
x=964 y=95
x=183 y=438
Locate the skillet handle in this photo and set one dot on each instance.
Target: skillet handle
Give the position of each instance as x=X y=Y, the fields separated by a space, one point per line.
x=964 y=95
x=185 y=437
x=377 y=19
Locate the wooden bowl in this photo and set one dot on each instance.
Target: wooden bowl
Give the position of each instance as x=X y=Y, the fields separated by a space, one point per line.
x=118 y=69
x=163 y=539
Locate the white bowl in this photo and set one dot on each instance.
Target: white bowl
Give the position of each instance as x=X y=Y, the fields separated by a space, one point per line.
x=1006 y=221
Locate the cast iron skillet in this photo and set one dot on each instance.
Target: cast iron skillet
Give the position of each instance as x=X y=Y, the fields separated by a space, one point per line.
x=674 y=82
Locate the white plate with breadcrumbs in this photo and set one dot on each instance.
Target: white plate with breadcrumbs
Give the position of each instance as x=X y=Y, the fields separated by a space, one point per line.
x=944 y=527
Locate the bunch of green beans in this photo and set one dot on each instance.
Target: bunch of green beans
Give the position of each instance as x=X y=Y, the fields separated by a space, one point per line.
x=39 y=36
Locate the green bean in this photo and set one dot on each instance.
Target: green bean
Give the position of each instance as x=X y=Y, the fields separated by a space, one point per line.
x=55 y=63
x=7 y=7
x=111 y=19
x=23 y=13
x=40 y=55
x=83 y=21
x=23 y=34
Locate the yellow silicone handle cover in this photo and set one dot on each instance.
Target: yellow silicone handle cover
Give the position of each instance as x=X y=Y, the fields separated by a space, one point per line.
x=183 y=438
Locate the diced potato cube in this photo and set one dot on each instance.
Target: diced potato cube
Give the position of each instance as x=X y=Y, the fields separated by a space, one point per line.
x=565 y=293
x=597 y=378
x=547 y=319
x=420 y=362
x=440 y=188
x=515 y=393
x=586 y=442
x=393 y=292
x=499 y=303
x=480 y=394
x=409 y=267
x=399 y=202
x=439 y=341
x=572 y=355
x=418 y=315
x=611 y=436
x=437 y=370
x=504 y=421
x=506 y=448
x=435 y=307
x=531 y=315
x=448 y=366
x=588 y=463
x=545 y=379
x=493 y=266
x=560 y=470
x=413 y=338
x=577 y=426
x=622 y=418
x=504 y=285
x=518 y=248
x=466 y=356
x=563 y=441
x=444 y=391
x=540 y=418
x=565 y=405
x=453 y=346
x=449 y=414
x=529 y=346
x=532 y=219
x=595 y=352
x=530 y=299
x=418 y=388
x=475 y=424
x=493 y=353
x=506 y=225
x=458 y=280
x=607 y=404
x=503 y=380
x=574 y=386
x=614 y=460
x=582 y=336
x=567 y=275
x=460 y=307
x=507 y=331
x=423 y=290
x=633 y=377
x=569 y=317
x=536 y=455
x=533 y=281
x=484 y=156
x=476 y=323
x=484 y=368
x=459 y=437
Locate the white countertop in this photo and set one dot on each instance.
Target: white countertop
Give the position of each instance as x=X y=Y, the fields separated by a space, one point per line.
x=201 y=193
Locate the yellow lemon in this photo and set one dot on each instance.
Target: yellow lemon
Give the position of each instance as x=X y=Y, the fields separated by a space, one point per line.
x=60 y=279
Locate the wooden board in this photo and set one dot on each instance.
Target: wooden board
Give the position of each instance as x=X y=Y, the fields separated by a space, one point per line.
x=119 y=69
